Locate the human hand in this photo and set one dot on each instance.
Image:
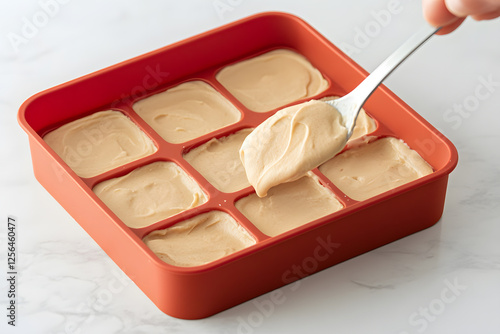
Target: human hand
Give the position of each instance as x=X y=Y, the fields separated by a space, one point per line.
x=449 y=14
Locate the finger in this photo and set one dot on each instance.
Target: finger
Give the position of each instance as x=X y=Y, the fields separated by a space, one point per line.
x=436 y=13
x=450 y=27
x=463 y=8
x=487 y=16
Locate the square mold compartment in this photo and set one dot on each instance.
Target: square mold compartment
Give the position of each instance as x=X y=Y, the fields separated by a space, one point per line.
x=200 y=291
x=150 y=193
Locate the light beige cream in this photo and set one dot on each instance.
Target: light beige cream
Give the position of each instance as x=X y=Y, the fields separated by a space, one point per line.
x=292 y=142
x=99 y=142
x=187 y=111
x=289 y=205
x=374 y=168
x=199 y=240
x=150 y=193
x=364 y=123
x=272 y=80
x=219 y=162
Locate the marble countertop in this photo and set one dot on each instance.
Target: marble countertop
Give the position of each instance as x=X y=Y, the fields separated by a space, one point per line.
x=441 y=280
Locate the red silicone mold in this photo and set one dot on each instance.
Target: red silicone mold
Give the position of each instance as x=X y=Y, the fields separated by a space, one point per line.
x=197 y=292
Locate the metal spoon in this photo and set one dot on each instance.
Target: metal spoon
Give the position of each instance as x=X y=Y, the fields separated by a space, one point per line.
x=268 y=170
x=350 y=104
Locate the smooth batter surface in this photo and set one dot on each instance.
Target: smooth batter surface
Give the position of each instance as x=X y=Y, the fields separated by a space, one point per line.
x=199 y=240
x=272 y=80
x=187 y=111
x=99 y=142
x=150 y=193
x=374 y=168
x=364 y=123
x=289 y=205
x=218 y=160
x=292 y=142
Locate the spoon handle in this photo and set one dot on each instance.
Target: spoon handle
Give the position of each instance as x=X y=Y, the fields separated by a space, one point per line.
x=357 y=97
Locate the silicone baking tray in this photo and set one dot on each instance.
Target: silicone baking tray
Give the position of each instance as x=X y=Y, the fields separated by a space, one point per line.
x=197 y=292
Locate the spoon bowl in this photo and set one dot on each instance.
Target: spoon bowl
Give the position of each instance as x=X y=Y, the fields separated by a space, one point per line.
x=301 y=137
x=350 y=105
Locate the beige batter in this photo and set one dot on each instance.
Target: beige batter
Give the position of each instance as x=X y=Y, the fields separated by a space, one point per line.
x=364 y=123
x=374 y=168
x=187 y=111
x=199 y=240
x=219 y=162
x=100 y=142
x=150 y=193
x=292 y=142
x=272 y=80
x=289 y=205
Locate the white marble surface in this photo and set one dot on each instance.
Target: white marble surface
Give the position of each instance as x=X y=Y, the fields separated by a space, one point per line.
x=405 y=287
